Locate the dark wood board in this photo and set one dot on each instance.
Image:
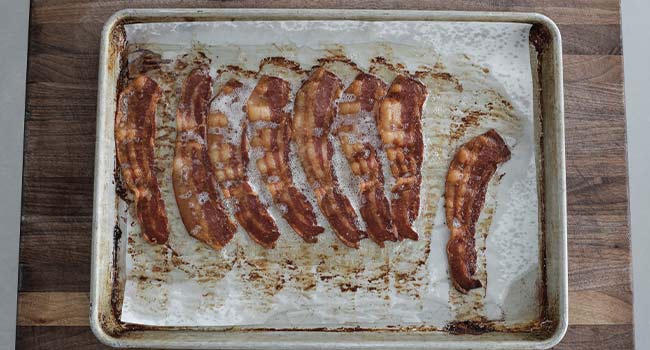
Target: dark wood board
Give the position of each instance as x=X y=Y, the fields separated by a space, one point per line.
x=60 y=143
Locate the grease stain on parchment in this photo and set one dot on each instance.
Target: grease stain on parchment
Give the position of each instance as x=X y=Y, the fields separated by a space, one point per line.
x=326 y=283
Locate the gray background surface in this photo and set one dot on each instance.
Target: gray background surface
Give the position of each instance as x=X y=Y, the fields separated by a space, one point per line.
x=14 y=21
x=636 y=53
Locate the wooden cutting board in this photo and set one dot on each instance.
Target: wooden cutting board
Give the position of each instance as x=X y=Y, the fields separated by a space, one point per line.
x=60 y=143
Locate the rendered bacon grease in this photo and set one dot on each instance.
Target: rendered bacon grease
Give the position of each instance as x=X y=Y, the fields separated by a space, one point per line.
x=271 y=130
x=314 y=112
x=228 y=149
x=193 y=176
x=400 y=128
x=358 y=136
x=467 y=180
x=135 y=131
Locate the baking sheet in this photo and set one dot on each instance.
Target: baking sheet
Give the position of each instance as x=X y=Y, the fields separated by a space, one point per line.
x=328 y=285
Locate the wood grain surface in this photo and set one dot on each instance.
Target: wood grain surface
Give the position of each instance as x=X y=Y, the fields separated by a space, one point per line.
x=60 y=143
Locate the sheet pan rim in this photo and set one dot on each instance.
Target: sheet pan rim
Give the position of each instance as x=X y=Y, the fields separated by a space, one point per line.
x=102 y=235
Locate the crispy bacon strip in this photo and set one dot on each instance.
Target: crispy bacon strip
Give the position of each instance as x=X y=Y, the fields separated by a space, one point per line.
x=194 y=180
x=356 y=133
x=135 y=128
x=272 y=131
x=400 y=128
x=314 y=113
x=230 y=160
x=467 y=180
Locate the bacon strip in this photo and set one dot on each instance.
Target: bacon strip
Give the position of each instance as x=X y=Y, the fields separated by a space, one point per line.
x=357 y=133
x=230 y=160
x=272 y=132
x=400 y=128
x=193 y=176
x=467 y=180
x=135 y=128
x=314 y=113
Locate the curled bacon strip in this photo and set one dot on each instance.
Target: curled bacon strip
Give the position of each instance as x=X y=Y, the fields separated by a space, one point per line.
x=272 y=132
x=193 y=176
x=314 y=113
x=400 y=128
x=230 y=160
x=135 y=128
x=467 y=180
x=356 y=133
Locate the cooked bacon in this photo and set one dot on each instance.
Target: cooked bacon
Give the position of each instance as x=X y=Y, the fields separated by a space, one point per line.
x=400 y=128
x=365 y=93
x=314 y=113
x=201 y=209
x=230 y=160
x=467 y=180
x=135 y=128
x=272 y=132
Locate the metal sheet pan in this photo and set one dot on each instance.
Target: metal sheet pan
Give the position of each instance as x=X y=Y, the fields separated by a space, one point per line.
x=106 y=243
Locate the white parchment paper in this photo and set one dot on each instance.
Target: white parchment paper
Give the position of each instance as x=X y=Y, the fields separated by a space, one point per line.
x=298 y=285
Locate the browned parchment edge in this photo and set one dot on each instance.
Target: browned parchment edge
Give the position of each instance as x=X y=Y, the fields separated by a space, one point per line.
x=111 y=323
x=540 y=38
x=538 y=329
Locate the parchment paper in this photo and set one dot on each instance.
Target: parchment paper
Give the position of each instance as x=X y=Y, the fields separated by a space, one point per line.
x=298 y=285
